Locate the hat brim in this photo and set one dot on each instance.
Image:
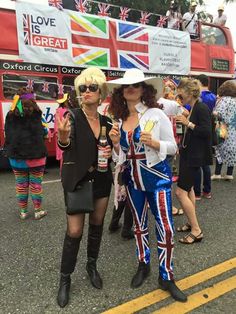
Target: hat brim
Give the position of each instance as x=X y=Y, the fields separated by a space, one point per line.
x=61 y=100
x=156 y=82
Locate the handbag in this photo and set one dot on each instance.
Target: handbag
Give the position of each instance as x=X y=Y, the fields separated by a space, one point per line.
x=81 y=199
x=221 y=132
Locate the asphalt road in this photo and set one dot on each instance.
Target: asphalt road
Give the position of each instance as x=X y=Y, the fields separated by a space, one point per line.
x=30 y=254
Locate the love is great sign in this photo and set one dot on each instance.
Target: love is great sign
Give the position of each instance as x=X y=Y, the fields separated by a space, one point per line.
x=62 y=37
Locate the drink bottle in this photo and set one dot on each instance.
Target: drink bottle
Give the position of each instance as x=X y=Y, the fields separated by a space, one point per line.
x=102 y=143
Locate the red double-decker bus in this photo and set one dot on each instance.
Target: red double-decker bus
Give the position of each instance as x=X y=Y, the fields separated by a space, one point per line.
x=211 y=54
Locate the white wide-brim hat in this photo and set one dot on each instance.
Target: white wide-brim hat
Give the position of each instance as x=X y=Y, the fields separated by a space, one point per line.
x=133 y=76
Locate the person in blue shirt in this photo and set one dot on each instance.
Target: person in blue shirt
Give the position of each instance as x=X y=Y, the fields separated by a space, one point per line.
x=208 y=98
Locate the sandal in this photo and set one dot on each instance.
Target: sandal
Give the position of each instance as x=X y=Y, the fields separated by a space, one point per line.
x=184 y=228
x=194 y=238
x=40 y=214
x=177 y=211
x=24 y=215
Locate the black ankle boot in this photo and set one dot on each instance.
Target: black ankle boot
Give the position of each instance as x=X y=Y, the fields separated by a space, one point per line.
x=117 y=212
x=94 y=276
x=141 y=274
x=127 y=231
x=64 y=290
x=175 y=292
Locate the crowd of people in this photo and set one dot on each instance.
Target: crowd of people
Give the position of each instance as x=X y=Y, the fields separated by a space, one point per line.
x=140 y=136
x=189 y=21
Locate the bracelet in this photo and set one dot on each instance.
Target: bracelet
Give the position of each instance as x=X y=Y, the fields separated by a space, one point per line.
x=190 y=125
x=116 y=145
x=63 y=145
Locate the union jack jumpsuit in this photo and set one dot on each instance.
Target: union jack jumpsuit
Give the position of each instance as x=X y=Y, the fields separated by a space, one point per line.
x=152 y=185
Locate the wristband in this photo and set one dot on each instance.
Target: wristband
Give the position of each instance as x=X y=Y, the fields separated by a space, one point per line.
x=116 y=145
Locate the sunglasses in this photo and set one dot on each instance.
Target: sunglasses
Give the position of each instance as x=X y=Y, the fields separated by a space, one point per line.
x=92 y=88
x=136 y=85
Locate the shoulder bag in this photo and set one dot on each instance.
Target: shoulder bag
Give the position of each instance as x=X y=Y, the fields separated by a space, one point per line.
x=80 y=201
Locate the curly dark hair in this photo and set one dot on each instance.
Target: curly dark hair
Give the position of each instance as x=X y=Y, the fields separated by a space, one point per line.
x=228 y=88
x=118 y=107
x=29 y=106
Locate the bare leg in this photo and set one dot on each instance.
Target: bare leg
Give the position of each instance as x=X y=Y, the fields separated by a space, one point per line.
x=187 y=202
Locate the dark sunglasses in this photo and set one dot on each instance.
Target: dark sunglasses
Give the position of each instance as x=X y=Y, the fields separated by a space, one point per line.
x=136 y=85
x=92 y=88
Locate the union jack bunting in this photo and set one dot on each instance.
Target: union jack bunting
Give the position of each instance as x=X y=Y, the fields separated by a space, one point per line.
x=27 y=29
x=103 y=9
x=30 y=84
x=124 y=13
x=45 y=87
x=60 y=89
x=81 y=5
x=56 y=4
x=91 y=43
x=162 y=21
x=144 y=17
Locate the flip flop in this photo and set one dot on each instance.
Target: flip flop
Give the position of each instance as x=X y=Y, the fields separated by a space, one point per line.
x=179 y=211
x=193 y=238
x=184 y=228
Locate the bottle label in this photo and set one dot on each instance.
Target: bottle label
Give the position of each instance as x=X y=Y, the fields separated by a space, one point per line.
x=102 y=161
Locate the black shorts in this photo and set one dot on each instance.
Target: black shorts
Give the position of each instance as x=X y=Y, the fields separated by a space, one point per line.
x=186 y=175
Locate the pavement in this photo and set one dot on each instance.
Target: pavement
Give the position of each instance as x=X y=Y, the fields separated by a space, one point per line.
x=30 y=253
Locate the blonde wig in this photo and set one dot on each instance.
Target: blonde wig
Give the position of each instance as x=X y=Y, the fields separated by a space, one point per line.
x=92 y=75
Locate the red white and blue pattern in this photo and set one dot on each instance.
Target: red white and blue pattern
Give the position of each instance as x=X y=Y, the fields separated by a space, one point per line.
x=152 y=185
x=145 y=17
x=81 y=5
x=56 y=3
x=45 y=87
x=60 y=89
x=30 y=84
x=162 y=21
x=124 y=13
x=103 y=9
x=27 y=29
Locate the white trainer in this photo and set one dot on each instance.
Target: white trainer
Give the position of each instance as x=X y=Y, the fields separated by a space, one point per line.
x=216 y=177
x=228 y=177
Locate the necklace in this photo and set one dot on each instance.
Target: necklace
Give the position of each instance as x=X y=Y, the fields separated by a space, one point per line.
x=89 y=117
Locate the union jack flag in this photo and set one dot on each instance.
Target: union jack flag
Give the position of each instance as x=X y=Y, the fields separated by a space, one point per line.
x=56 y=3
x=27 y=29
x=124 y=13
x=103 y=9
x=30 y=84
x=81 y=5
x=144 y=17
x=162 y=22
x=45 y=87
x=60 y=89
x=91 y=43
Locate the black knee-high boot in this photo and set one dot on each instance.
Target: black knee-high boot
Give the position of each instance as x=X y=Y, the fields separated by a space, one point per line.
x=117 y=212
x=68 y=262
x=127 y=232
x=94 y=241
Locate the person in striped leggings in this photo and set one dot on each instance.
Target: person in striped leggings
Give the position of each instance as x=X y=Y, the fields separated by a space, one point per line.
x=25 y=132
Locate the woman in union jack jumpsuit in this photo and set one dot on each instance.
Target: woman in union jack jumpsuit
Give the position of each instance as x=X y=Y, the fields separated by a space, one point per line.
x=142 y=139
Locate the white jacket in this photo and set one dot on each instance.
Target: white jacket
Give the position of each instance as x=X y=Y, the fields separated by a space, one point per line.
x=162 y=132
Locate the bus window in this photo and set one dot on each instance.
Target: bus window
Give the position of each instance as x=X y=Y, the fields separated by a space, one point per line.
x=45 y=88
x=68 y=83
x=213 y=36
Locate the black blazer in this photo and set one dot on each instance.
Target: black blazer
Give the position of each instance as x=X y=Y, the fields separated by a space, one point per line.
x=198 y=142
x=82 y=152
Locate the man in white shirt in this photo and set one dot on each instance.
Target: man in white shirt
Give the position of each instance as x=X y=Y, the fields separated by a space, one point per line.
x=174 y=16
x=222 y=18
x=190 y=21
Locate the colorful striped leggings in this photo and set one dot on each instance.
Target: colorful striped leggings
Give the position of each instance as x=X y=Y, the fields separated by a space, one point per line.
x=29 y=179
